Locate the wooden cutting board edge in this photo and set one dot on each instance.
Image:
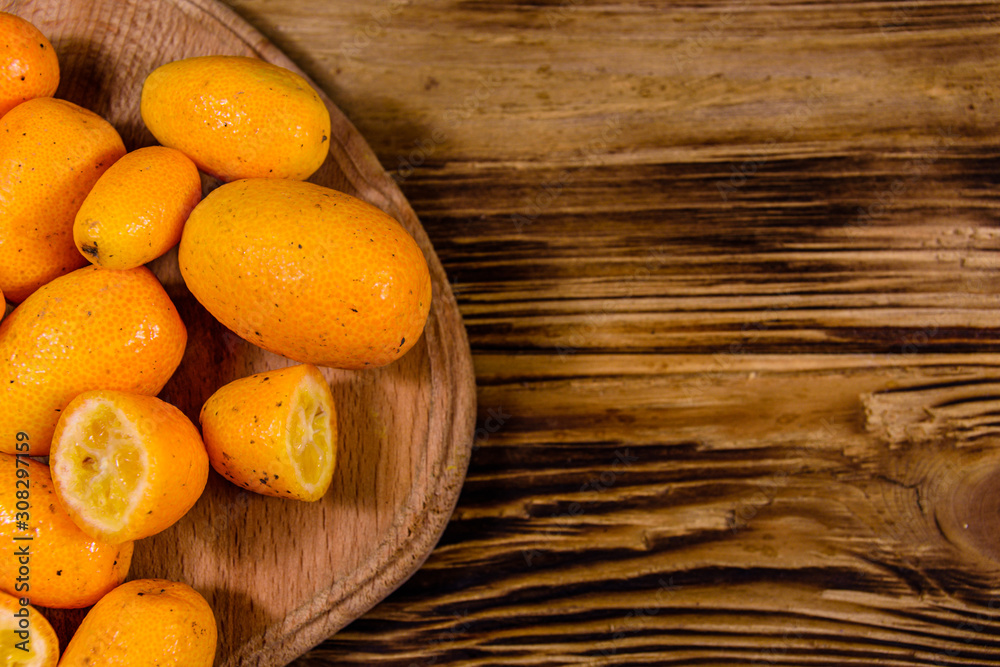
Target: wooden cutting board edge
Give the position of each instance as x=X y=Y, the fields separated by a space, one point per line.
x=391 y=565
x=453 y=392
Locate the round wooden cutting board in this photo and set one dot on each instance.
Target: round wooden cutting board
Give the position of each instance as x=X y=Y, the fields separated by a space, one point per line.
x=283 y=575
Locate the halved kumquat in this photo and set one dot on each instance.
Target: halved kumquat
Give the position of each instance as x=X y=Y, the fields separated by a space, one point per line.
x=274 y=433
x=126 y=466
x=26 y=637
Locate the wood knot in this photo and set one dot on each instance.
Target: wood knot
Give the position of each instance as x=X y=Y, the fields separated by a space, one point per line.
x=941 y=464
x=967 y=505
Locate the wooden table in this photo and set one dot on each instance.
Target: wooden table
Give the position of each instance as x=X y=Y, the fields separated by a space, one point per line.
x=730 y=278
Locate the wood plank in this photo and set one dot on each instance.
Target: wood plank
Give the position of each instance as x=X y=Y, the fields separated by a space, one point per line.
x=644 y=507
x=730 y=278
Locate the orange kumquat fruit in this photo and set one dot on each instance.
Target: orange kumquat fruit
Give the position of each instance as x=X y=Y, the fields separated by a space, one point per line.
x=63 y=568
x=143 y=623
x=91 y=329
x=238 y=117
x=29 y=67
x=274 y=433
x=137 y=209
x=53 y=153
x=126 y=466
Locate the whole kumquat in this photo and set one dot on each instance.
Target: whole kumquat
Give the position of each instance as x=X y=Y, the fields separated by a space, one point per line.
x=146 y=623
x=137 y=209
x=307 y=272
x=53 y=152
x=91 y=329
x=29 y=67
x=238 y=117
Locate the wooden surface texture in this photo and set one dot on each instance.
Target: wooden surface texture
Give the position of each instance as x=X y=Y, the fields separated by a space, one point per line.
x=281 y=575
x=729 y=272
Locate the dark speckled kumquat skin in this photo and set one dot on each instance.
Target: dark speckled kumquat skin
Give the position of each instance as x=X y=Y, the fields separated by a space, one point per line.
x=146 y=622
x=90 y=329
x=238 y=117
x=30 y=64
x=307 y=272
x=53 y=151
